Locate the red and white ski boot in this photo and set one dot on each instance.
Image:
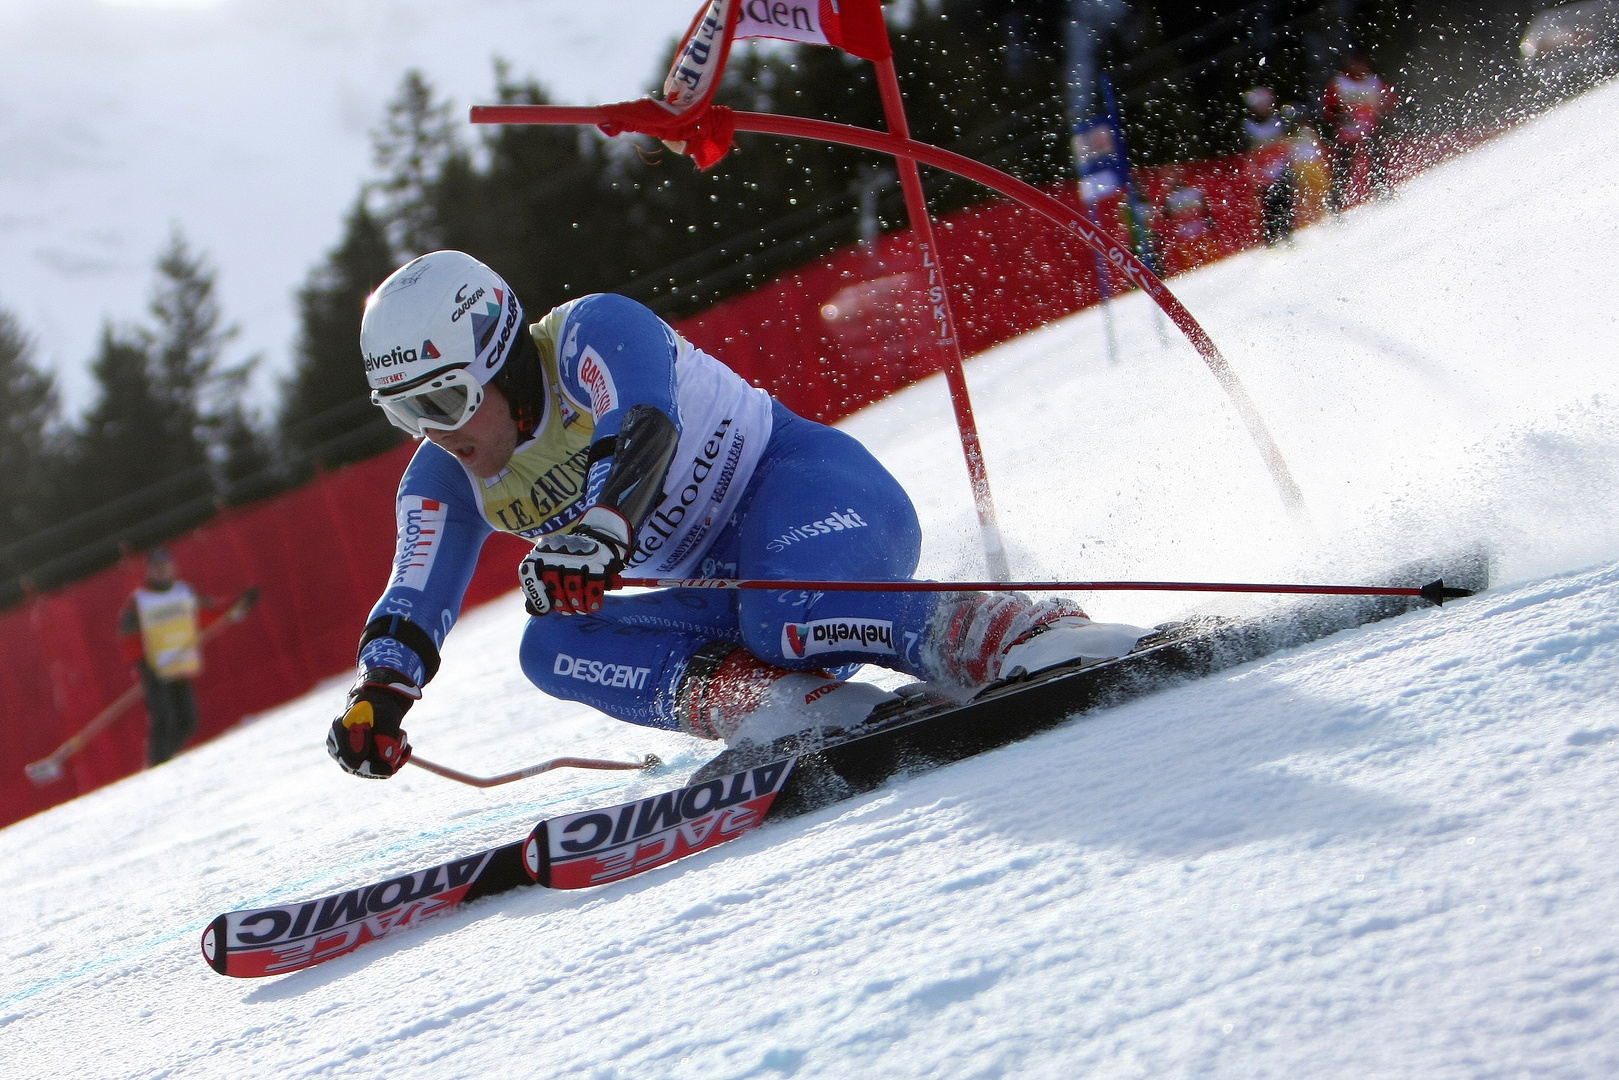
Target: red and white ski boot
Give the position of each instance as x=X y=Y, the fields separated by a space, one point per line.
x=978 y=638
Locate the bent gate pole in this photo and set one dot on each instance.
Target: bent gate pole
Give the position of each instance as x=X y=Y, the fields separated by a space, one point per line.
x=944 y=322
x=906 y=149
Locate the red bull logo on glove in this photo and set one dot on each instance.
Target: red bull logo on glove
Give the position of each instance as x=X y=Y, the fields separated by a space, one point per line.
x=837 y=635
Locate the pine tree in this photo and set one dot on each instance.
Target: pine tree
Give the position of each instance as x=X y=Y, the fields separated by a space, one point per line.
x=133 y=436
x=246 y=468
x=167 y=427
x=411 y=149
x=326 y=416
x=28 y=411
x=188 y=342
x=203 y=396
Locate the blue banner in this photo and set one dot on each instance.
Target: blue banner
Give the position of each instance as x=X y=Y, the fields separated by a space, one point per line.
x=1099 y=156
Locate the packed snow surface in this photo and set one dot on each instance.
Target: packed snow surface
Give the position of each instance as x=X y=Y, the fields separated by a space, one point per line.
x=1389 y=854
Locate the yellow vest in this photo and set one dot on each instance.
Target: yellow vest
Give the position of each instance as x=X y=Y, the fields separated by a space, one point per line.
x=540 y=489
x=725 y=426
x=168 y=622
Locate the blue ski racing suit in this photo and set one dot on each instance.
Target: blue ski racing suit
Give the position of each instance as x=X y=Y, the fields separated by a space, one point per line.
x=752 y=491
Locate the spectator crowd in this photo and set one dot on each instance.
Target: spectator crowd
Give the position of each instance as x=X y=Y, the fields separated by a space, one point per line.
x=1300 y=163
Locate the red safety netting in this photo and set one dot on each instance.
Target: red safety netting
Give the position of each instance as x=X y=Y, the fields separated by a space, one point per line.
x=839 y=334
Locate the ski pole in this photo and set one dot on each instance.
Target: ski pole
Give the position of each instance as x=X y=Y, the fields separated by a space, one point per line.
x=49 y=769
x=533 y=770
x=1435 y=592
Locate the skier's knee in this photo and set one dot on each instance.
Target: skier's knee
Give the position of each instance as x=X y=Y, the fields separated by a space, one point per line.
x=765 y=626
x=628 y=677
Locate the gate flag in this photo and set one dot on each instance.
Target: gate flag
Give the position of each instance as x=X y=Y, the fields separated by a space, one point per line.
x=686 y=120
x=1099 y=157
x=855 y=26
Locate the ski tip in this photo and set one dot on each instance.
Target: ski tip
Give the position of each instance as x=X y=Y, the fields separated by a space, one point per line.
x=1437 y=592
x=213 y=945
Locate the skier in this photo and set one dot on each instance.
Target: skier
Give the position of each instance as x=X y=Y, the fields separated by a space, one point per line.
x=158 y=635
x=1357 y=106
x=613 y=443
x=1268 y=172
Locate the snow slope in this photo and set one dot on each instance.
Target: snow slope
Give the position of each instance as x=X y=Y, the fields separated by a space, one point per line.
x=246 y=124
x=1389 y=854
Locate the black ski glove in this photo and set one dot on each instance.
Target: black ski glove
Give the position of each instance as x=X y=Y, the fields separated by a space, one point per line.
x=367 y=739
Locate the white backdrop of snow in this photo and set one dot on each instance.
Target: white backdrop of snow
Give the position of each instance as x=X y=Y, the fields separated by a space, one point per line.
x=1389 y=854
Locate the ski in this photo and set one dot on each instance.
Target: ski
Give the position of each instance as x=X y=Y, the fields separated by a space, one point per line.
x=925 y=730
x=745 y=786
x=276 y=940
x=600 y=846
x=575 y=851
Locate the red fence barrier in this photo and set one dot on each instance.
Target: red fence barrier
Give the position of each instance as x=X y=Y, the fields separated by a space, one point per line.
x=826 y=339
x=320 y=555
x=834 y=336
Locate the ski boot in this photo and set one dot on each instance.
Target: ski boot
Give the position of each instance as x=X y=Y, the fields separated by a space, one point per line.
x=977 y=639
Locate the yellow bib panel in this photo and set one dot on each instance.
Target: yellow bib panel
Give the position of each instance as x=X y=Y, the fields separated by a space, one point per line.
x=168 y=622
x=724 y=425
x=542 y=489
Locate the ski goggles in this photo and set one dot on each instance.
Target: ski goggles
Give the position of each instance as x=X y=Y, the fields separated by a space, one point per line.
x=442 y=401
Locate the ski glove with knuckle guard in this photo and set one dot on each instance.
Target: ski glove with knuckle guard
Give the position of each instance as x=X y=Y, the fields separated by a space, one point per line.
x=570 y=572
x=367 y=739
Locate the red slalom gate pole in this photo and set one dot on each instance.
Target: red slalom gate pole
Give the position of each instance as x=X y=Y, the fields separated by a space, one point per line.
x=1436 y=592
x=944 y=322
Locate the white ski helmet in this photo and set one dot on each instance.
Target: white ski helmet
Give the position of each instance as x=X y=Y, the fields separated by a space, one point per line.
x=433 y=334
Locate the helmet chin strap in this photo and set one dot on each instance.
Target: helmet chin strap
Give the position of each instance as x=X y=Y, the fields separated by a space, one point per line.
x=520 y=381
